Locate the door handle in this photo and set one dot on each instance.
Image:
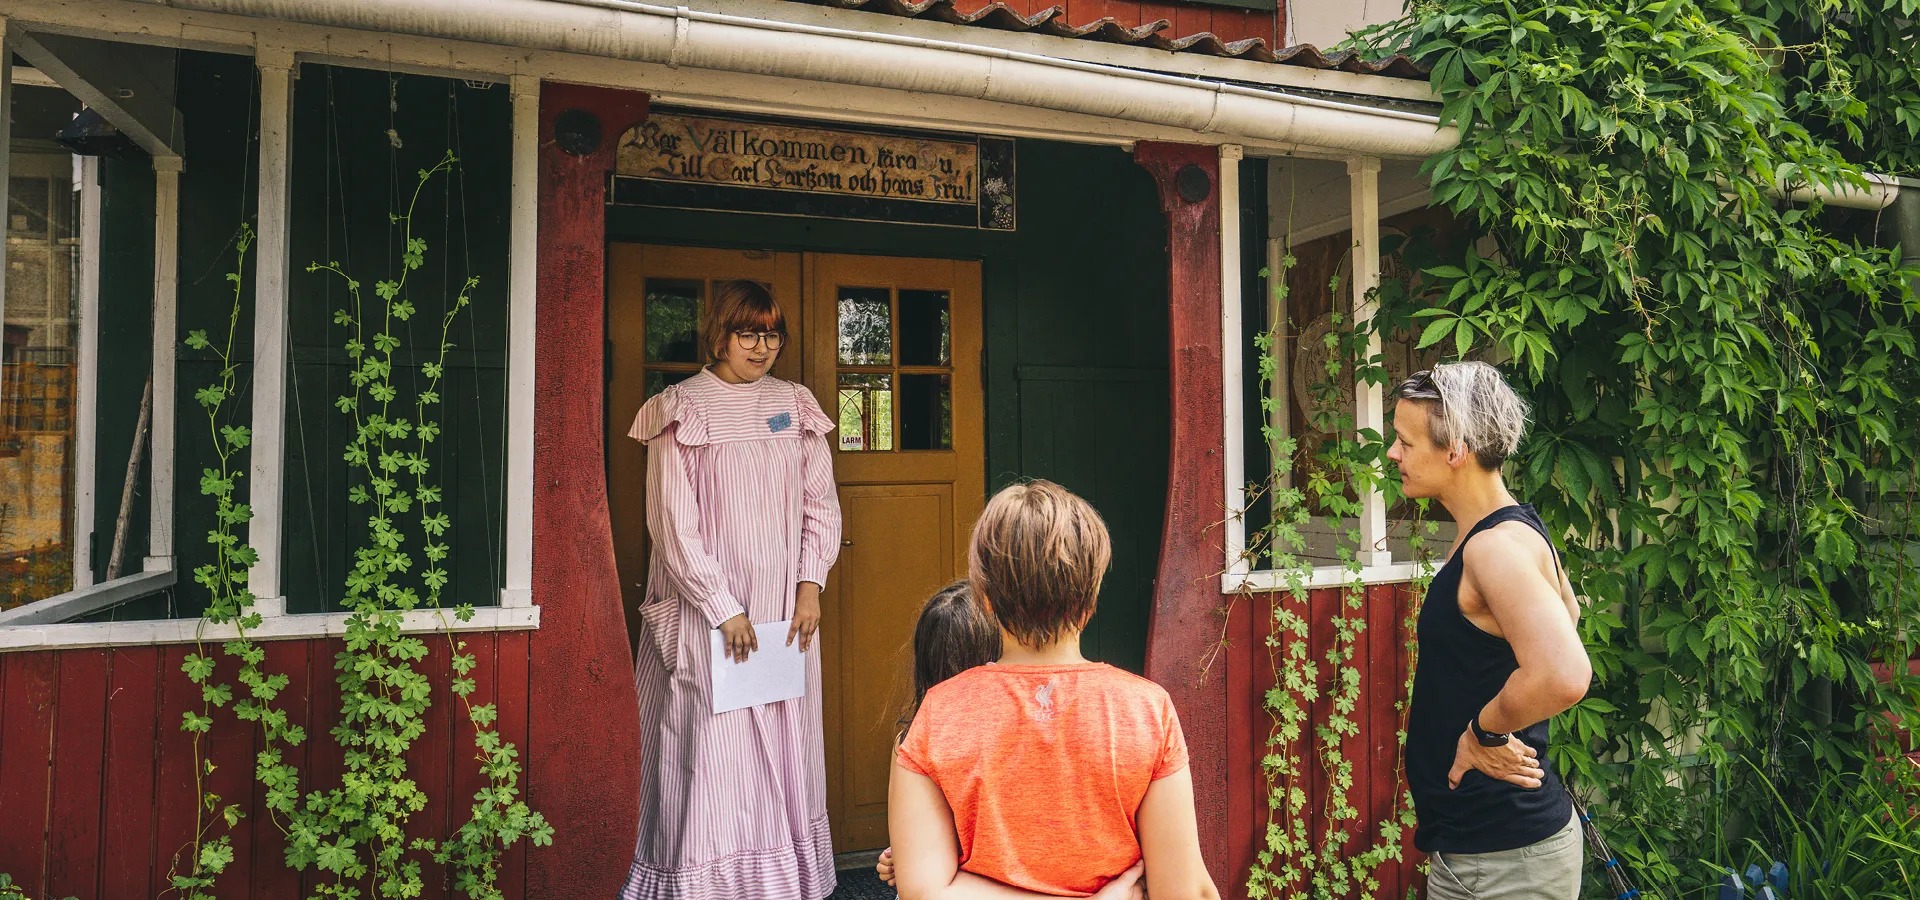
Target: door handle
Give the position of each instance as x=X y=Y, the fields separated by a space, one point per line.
x=846 y=543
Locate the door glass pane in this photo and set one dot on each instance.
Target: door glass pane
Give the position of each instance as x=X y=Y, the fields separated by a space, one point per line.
x=866 y=327
x=37 y=395
x=926 y=411
x=673 y=321
x=924 y=329
x=658 y=380
x=866 y=411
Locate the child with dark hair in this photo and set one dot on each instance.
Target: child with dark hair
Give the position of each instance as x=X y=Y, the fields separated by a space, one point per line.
x=1044 y=775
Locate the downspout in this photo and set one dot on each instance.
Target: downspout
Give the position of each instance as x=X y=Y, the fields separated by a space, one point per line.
x=680 y=37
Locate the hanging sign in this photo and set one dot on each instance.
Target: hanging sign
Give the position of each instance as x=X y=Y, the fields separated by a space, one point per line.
x=741 y=165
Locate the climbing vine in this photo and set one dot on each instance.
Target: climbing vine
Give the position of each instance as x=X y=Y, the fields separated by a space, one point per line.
x=1322 y=851
x=1726 y=388
x=357 y=834
x=229 y=602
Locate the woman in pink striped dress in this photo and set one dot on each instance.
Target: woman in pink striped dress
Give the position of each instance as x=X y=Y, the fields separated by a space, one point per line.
x=745 y=523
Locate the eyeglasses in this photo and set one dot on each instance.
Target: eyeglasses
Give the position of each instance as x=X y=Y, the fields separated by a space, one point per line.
x=750 y=340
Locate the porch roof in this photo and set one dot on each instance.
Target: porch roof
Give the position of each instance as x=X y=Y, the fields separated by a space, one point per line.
x=1157 y=34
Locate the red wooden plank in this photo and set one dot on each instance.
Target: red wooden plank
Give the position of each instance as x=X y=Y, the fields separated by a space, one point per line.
x=432 y=759
x=133 y=703
x=175 y=799
x=515 y=723
x=273 y=879
x=324 y=760
x=1189 y=19
x=584 y=714
x=1383 y=688
x=1151 y=12
x=79 y=770
x=1246 y=723
x=26 y=750
x=467 y=778
x=231 y=747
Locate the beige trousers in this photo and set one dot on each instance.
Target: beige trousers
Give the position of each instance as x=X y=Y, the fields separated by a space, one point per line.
x=1548 y=870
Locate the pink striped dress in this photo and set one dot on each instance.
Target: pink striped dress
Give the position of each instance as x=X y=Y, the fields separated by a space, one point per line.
x=741 y=507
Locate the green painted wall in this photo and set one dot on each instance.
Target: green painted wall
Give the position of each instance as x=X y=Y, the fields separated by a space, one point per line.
x=1076 y=341
x=359 y=138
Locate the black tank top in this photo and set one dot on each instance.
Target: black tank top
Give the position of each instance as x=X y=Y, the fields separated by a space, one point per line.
x=1460 y=670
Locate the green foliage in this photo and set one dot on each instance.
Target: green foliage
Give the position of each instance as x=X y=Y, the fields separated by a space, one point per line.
x=358 y=833
x=1725 y=384
x=1843 y=836
x=229 y=601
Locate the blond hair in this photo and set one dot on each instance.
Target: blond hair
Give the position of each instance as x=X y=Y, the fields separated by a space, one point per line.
x=1468 y=403
x=1039 y=554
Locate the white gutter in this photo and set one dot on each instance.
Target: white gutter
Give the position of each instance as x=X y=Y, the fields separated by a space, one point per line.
x=680 y=37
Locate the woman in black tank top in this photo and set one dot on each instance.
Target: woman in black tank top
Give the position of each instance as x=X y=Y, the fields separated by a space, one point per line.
x=1493 y=816
x=1460 y=671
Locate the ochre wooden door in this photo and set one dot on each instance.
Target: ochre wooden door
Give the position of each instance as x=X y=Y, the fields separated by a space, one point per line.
x=656 y=297
x=891 y=348
x=894 y=356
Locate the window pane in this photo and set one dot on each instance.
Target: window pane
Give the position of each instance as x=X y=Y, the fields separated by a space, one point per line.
x=27 y=209
x=658 y=380
x=924 y=329
x=866 y=412
x=866 y=327
x=36 y=400
x=673 y=321
x=926 y=410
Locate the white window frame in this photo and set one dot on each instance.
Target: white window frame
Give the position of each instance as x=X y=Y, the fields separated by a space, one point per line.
x=26 y=628
x=1376 y=566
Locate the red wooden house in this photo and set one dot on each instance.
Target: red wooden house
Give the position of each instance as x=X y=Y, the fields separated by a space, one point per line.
x=1074 y=297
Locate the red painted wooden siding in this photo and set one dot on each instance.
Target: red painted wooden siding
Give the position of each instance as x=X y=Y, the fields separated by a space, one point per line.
x=96 y=778
x=1381 y=656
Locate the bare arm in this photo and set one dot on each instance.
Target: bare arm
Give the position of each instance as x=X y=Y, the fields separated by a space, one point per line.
x=926 y=851
x=1170 y=841
x=1554 y=671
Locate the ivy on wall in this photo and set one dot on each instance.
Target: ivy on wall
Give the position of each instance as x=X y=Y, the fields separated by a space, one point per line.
x=1726 y=388
x=358 y=835
x=1726 y=384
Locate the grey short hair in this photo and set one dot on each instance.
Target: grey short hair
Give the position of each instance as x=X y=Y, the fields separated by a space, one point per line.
x=1469 y=403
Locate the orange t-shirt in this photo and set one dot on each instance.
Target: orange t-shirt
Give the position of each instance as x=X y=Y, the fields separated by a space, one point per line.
x=1045 y=767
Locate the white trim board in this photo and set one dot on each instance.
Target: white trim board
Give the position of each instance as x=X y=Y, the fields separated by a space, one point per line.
x=272 y=628
x=1271 y=580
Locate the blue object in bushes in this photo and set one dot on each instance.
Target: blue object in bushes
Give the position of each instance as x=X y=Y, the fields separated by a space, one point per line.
x=1731 y=887
x=1777 y=876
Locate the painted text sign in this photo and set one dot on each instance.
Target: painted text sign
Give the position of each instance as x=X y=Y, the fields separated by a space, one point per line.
x=713 y=151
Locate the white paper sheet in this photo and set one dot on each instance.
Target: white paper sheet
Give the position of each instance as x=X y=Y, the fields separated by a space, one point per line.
x=772 y=673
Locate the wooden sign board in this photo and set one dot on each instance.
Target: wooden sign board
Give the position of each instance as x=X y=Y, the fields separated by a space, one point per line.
x=741 y=165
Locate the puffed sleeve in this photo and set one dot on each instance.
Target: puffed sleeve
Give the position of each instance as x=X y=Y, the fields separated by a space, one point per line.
x=820 y=526
x=669 y=427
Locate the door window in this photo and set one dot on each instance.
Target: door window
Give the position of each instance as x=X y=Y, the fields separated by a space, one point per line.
x=894 y=369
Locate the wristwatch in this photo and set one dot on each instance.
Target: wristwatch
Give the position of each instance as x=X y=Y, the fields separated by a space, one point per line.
x=1485 y=737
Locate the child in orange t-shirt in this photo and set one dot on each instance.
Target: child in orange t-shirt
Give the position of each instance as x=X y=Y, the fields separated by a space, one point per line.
x=1046 y=774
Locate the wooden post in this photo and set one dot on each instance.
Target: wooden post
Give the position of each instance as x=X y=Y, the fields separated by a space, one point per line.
x=1185 y=627
x=583 y=765
x=1369 y=399
x=268 y=468
x=166 y=262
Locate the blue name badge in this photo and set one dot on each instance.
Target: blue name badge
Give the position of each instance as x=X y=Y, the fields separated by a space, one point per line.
x=780 y=422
